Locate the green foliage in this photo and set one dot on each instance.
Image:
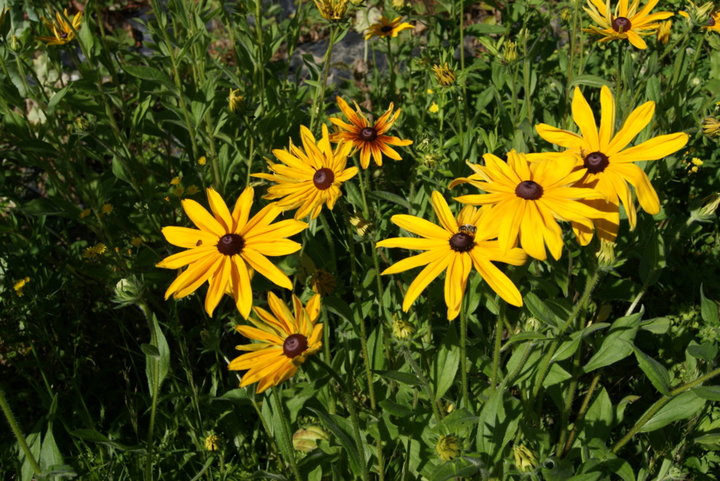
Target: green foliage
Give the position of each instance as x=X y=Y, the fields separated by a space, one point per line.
x=607 y=371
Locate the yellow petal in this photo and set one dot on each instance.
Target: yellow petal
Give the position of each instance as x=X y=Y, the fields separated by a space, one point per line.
x=442 y=211
x=220 y=209
x=419 y=226
x=217 y=285
x=643 y=188
x=498 y=282
x=202 y=218
x=417 y=260
x=187 y=237
x=583 y=116
x=242 y=291
x=181 y=259
x=430 y=272
x=636 y=121
x=653 y=149
x=262 y=265
x=607 y=117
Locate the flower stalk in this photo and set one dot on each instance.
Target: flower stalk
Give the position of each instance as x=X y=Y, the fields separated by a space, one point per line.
x=15 y=428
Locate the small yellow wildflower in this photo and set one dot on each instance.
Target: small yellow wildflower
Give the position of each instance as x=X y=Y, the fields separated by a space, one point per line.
x=444 y=74
x=696 y=161
x=63 y=31
x=192 y=190
x=402 y=329
x=693 y=169
x=212 y=442
x=434 y=108
x=663 y=31
x=429 y=91
x=20 y=285
x=525 y=460
x=711 y=127
x=106 y=209
x=332 y=9
x=175 y=181
x=137 y=241
x=95 y=251
x=84 y=213
x=202 y=160
x=234 y=102
x=448 y=447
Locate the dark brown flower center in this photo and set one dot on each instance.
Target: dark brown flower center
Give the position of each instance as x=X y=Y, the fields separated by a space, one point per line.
x=368 y=134
x=621 y=24
x=462 y=242
x=323 y=178
x=295 y=345
x=230 y=244
x=596 y=162
x=386 y=28
x=63 y=34
x=529 y=190
x=710 y=22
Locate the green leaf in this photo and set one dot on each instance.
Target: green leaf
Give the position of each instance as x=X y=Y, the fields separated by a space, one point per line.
x=278 y=418
x=710 y=438
x=711 y=393
x=341 y=430
x=590 y=81
x=395 y=409
x=708 y=309
x=599 y=418
x=540 y=310
x=94 y=436
x=658 y=325
x=49 y=452
x=483 y=29
x=149 y=73
x=655 y=372
x=446 y=364
x=705 y=351
x=389 y=196
x=680 y=407
x=402 y=377
x=617 y=345
x=157 y=364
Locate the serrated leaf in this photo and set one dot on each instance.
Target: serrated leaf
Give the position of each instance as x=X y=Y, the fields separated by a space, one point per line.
x=655 y=372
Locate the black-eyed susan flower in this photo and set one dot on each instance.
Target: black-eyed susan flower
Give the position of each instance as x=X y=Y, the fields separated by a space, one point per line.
x=332 y=9
x=528 y=199
x=387 y=28
x=309 y=176
x=226 y=246
x=455 y=246
x=713 y=23
x=366 y=138
x=285 y=340
x=444 y=74
x=606 y=155
x=625 y=21
x=63 y=31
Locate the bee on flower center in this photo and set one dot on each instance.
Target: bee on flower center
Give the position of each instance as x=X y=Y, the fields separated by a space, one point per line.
x=468 y=229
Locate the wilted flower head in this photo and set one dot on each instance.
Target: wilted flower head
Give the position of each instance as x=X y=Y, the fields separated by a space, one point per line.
x=401 y=328
x=332 y=9
x=525 y=460
x=663 y=31
x=711 y=127
x=444 y=74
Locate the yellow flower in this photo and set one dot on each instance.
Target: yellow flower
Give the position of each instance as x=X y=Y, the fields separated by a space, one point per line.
x=525 y=460
x=455 y=246
x=309 y=177
x=234 y=102
x=202 y=160
x=84 y=213
x=711 y=127
x=434 y=108
x=624 y=22
x=332 y=9
x=663 y=31
x=444 y=74
x=95 y=251
x=429 y=91
x=285 y=341
x=609 y=163
x=448 y=447
x=713 y=23
x=20 y=285
x=528 y=199
x=368 y=139
x=387 y=28
x=696 y=161
x=212 y=442
x=63 y=32
x=226 y=246
x=106 y=209
x=175 y=181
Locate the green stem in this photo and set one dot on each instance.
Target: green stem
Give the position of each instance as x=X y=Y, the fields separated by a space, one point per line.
x=544 y=366
x=618 y=72
x=581 y=413
x=15 y=427
x=464 y=400
x=320 y=92
x=424 y=381
x=391 y=67
x=499 y=324
x=659 y=404
x=567 y=405
x=285 y=432
x=260 y=44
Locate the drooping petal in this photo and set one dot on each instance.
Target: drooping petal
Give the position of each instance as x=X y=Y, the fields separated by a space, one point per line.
x=636 y=121
x=430 y=272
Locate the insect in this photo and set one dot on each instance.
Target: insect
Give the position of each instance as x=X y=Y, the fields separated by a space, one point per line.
x=468 y=229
